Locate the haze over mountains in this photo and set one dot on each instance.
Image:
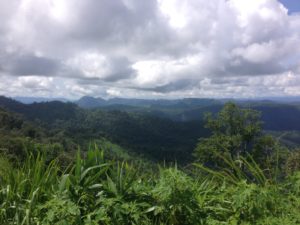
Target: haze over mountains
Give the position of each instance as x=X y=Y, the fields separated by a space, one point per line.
x=29 y=100
x=160 y=129
x=91 y=102
x=282 y=114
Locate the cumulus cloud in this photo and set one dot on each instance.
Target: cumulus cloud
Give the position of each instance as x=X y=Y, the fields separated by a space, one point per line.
x=153 y=48
x=98 y=66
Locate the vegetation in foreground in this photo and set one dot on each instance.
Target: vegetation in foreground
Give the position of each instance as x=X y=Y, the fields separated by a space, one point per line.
x=95 y=190
x=247 y=178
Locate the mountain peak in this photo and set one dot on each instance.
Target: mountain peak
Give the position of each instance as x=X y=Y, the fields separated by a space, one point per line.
x=90 y=102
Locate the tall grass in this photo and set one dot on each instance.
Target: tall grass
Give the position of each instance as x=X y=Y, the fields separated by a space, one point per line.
x=95 y=190
x=24 y=187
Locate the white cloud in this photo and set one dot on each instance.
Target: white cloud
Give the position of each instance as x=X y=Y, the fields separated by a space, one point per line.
x=113 y=92
x=148 y=48
x=269 y=51
x=35 y=83
x=91 y=65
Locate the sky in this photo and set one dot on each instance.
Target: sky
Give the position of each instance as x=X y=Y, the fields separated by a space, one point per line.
x=293 y=6
x=150 y=48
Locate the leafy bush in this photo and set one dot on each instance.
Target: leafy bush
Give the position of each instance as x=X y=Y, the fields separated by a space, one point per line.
x=96 y=190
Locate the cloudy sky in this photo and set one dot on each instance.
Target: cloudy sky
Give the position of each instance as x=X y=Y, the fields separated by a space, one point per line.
x=150 y=48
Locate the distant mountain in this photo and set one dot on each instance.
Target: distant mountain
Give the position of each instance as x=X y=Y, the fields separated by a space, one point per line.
x=287 y=99
x=30 y=100
x=11 y=104
x=88 y=102
x=44 y=111
x=186 y=109
x=91 y=102
x=276 y=116
x=158 y=138
x=162 y=129
x=280 y=117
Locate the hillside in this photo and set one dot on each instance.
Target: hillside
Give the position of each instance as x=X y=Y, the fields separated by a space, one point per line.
x=161 y=129
x=157 y=138
x=277 y=115
x=44 y=181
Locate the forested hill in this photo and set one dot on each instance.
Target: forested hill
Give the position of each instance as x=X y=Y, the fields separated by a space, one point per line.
x=45 y=111
x=239 y=175
x=276 y=115
x=154 y=137
x=168 y=130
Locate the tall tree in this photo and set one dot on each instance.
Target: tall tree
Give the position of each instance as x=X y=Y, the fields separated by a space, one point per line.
x=235 y=132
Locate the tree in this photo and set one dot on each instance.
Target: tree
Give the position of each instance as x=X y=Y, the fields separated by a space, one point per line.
x=293 y=162
x=235 y=132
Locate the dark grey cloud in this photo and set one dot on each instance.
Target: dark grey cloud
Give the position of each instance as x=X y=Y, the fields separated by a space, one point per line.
x=120 y=69
x=254 y=69
x=30 y=65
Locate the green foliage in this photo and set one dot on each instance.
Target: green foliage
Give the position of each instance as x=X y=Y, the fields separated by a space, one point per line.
x=60 y=211
x=248 y=196
x=22 y=188
x=42 y=180
x=176 y=198
x=96 y=190
x=236 y=132
x=293 y=162
x=64 y=123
